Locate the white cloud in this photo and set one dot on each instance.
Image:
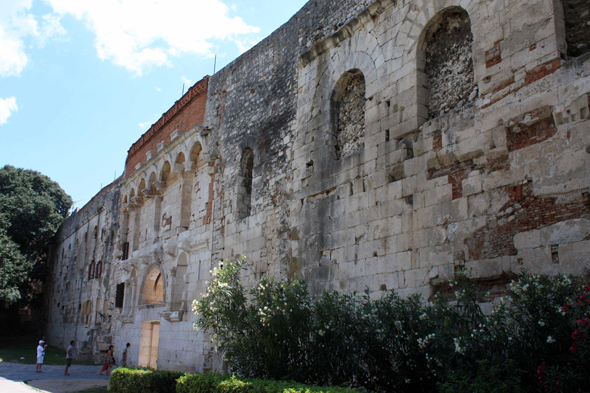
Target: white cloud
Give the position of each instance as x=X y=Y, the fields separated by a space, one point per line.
x=7 y=106
x=138 y=34
x=157 y=88
x=17 y=24
x=146 y=125
x=187 y=82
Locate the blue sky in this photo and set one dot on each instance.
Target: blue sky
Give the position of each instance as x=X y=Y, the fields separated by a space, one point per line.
x=81 y=80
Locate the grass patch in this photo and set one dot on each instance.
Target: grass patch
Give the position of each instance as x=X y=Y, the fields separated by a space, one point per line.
x=24 y=350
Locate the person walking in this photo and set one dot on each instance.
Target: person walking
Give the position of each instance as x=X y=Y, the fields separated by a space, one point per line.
x=111 y=359
x=124 y=361
x=105 y=365
x=40 y=355
x=69 y=356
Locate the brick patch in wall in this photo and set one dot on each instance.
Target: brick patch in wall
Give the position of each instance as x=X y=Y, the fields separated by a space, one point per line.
x=459 y=171
x=542 y=70
x=531 y=76
x=522 y=213
x=530 y=129
x=437 y=141
x=489 y=288
x=494 y=55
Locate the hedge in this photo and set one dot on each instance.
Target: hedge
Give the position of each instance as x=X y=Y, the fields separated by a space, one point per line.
x=217 y=383
x=142 y=380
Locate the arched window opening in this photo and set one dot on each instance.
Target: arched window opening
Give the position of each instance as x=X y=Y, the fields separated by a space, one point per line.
x=179 y=163
x=91 y=270
x=196 y=152
x=577 y=26
x=142 y=187
x=99 y=269
x=245 y=177
x=152 y=185
x=166 y=169
x=348 y=113
x=153 y=288
x=446 y=60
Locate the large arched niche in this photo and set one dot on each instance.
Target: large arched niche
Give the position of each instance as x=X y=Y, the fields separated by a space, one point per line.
x=445 y=63
x=153 y=287
x=347 y=113
x=180 y=285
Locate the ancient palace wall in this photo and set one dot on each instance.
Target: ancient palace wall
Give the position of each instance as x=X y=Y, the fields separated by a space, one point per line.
x=364 y=144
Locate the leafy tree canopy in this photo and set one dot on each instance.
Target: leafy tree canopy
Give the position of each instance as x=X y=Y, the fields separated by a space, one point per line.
x=32 y=207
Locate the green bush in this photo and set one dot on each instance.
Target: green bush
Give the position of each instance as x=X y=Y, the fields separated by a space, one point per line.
x=216 y=383
x=143 y=380
x=535 y=338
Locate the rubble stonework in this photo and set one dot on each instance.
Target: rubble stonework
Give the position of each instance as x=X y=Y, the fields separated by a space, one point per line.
x=449 y=65
x=350 y=112
x=577 y=23
x=497 y=184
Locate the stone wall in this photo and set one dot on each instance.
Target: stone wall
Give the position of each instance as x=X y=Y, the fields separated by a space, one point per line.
x=80 y=301
x=485 y=170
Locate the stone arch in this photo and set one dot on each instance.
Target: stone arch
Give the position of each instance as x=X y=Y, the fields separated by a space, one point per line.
x=245 y=178
x=152 y=290
x=180 y=158
x=151 y=172
x=348 y=59
x=166 y=171
x=152 y=179
x=195 y=154
x=347 y=113
x=444 y=62
x=142 y=185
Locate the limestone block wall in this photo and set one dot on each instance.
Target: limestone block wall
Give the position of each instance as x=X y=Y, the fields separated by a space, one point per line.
x=464 y=190
x=364 y=144
x=81 y=268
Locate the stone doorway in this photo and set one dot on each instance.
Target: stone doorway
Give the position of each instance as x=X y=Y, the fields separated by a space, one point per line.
x=148 y=344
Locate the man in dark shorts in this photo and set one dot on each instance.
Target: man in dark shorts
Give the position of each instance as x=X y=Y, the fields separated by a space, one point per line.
x=69 y=356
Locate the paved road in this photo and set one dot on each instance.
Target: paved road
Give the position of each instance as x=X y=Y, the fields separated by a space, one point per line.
x=12 y=375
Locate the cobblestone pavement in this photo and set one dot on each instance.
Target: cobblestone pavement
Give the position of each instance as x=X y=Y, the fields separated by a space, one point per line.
x=12 y=376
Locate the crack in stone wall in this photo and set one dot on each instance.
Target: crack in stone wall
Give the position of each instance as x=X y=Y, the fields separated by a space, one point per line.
x=351 y=116
x=577 y=26
x=449 y=64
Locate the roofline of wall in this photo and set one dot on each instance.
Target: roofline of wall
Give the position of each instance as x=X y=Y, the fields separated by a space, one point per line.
x=196 y=90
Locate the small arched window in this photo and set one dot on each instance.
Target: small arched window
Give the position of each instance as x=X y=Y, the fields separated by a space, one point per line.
x=244 y=203
x=348 y=114
x=91 y=270
x=99 y=269
x=166 y=169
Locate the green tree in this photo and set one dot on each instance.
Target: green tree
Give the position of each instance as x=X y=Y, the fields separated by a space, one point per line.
x=32 y=207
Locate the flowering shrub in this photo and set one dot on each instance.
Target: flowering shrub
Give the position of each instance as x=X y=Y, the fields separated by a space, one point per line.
x=264 y=331
x=570 y=372
x=536 y=338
